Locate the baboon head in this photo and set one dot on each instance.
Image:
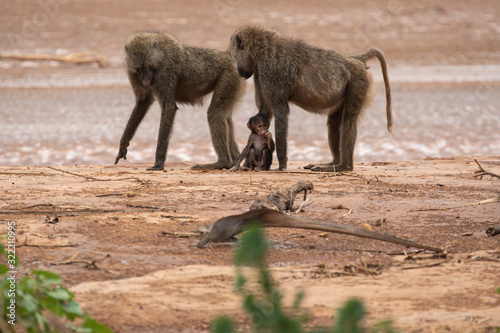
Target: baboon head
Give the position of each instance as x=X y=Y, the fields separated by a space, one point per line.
x=259 y=124
x=248 y=43
x=144 y=54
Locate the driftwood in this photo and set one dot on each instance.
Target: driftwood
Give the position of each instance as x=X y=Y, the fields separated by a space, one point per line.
x=283 y=200
x=227 y=227
x=270 y=212
x=492 y=231
x=76 y=58
x=481 y=172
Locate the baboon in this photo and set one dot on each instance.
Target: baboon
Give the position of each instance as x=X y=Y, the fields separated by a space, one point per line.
x=258 y=153
x=160 y=67
x=321 y=81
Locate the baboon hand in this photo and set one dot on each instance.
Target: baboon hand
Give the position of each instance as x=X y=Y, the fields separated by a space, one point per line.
x=122 y=153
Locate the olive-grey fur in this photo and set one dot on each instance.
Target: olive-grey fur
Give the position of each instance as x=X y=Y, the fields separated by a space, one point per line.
x=161 y=68
x=321 y=81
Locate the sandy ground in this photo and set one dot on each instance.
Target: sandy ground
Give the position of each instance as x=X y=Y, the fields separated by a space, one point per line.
x=131 y=235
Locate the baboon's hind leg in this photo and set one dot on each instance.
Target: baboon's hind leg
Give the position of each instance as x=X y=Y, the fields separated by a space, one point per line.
x=333 y=124
x=355 y=101
x=220 y=113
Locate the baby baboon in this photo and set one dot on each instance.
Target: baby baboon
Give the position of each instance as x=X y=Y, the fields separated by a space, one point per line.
x=321 y=81
x=258 y=154
x=160 y=67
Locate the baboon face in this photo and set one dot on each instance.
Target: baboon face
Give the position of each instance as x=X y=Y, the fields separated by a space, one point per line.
x=143 y=57
x=241 y=56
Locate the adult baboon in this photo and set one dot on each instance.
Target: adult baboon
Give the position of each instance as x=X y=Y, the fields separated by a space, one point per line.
x=160 y=67
x=321 y=81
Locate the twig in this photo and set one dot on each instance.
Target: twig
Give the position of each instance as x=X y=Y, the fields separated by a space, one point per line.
x=109 y=195
x=81 y=211
x=422 y=266
x=481 y=172
x=495 y=199
x=180 y=234
x=303 y=203
x=92 y=178
x=48 y=245
x=66 y=262
x=348 y=213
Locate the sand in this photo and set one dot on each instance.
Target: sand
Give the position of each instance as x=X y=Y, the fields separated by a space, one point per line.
x=130 y=236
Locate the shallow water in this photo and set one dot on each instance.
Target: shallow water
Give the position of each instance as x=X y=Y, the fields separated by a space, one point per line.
x=78 y=118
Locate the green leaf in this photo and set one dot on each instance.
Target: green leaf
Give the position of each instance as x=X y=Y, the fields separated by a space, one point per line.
x=42 y=320
x=498 y=291
x=47 y=278
x=3 y=269
x=29 y=303
x=95 y=326
x=2 y=249
x=298 y=299
x=72 y=310
x=52 y=305
x=349 y=317
x=60 y=294
x=223 y=325
x=252 y=247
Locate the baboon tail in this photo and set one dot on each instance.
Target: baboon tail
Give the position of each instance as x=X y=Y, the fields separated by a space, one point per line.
x=376 y=53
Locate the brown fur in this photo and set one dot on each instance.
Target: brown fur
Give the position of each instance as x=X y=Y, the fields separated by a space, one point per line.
x=258 y=153
x=318 y=80
x=227 y=227
x=160 y=68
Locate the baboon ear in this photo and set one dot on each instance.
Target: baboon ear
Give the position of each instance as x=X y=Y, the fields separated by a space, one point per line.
x=239 y=41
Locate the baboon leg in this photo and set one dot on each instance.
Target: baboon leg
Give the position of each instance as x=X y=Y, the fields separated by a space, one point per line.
x=251 y=159
x=334 y=123
x=266 y=161
x=141 y=107
x=281 y=113
x=219 y=116
x=334 y=128
x=234 y=151
x=166 y=123
x=353 y=107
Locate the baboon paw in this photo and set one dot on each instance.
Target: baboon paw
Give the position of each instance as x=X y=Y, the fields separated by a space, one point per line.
x=330 y=168
x=155 y=168
x=316 y=165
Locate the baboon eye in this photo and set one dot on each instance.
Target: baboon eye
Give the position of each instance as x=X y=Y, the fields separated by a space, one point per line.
x=239 y=41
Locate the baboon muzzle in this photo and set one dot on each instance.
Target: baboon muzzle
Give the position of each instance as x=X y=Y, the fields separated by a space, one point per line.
x=146 y=75
x=244 y=73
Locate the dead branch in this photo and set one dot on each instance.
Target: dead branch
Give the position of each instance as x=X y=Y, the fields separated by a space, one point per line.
x=81 y=211
x=421 y=266
x=492 y=231
x=283 y=199
x=180 y=234
x=481 y=172
x=76 y=58
x=495 y=199
x=92 y=178
x=227 y=227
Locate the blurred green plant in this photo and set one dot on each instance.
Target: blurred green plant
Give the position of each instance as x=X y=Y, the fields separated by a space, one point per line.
x=26 y=303
x=262 y=300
